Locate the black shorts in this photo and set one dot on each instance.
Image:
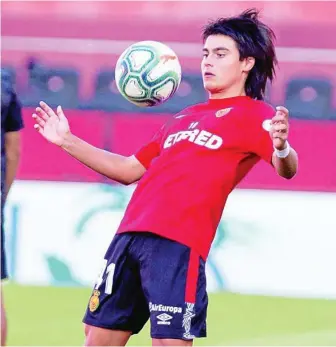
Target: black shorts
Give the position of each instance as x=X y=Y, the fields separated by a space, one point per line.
x=145 y=276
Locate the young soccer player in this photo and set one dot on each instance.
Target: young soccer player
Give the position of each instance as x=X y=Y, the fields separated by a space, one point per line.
x=155 y=266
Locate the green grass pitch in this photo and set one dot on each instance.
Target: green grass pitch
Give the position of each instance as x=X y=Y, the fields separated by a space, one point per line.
x=51 y=316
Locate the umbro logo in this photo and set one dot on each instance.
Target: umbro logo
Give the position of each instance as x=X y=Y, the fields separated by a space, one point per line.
x=223 y=112
x=164 y=319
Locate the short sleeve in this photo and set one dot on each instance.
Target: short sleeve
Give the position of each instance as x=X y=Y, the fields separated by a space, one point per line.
x=14 y=121
x=260 y=141
x=152 y=149
x=11 y=110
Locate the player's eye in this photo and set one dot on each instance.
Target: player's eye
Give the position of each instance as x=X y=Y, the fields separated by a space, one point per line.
x=205 y=55
x=220 y=55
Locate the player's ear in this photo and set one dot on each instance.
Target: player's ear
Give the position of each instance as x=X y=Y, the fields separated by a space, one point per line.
x=248 y=64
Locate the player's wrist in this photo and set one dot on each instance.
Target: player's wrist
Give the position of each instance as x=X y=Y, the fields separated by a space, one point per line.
x=68 y=139
x=283 y=153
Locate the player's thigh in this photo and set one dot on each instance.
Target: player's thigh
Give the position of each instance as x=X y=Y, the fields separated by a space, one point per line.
x=174 y=281
x=117 y=301
x=171 y=342
x=95 y=336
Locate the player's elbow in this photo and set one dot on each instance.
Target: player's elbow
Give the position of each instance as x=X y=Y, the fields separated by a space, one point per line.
x=288 y=171
x=288 y=174
x=131 y=171
x=127 y=181
x=123 y=179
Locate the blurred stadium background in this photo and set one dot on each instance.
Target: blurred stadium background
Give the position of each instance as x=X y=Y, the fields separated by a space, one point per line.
x=271 y=272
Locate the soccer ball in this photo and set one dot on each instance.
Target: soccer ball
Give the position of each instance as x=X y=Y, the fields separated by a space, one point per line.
x=148 y=73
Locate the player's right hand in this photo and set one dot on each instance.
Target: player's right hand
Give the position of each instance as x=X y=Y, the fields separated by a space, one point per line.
x=52 y=126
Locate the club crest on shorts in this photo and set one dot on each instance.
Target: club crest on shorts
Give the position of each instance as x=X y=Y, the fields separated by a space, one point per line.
x=223 y=112
x=94 y=300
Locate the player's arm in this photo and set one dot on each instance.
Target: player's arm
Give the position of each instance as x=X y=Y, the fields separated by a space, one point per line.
x=285 y=158
x=286 y=167
x=123 y=169
x=55 y=128
x=13 y=125
x=12 y=149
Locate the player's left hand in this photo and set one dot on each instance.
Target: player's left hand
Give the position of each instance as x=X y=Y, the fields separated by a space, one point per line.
x=279 y=128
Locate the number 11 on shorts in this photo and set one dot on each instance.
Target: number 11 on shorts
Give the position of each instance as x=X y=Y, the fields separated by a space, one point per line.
x=109 y=277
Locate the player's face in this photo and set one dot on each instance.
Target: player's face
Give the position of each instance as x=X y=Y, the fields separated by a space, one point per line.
x=222 y=69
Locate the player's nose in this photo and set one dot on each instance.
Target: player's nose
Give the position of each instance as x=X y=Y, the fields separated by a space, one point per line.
x=208 y=64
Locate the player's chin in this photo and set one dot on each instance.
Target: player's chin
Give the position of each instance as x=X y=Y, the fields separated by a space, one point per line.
x=210 y=86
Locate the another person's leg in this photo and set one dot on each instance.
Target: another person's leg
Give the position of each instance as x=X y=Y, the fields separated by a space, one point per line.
x=4 y=276
x=3 y=321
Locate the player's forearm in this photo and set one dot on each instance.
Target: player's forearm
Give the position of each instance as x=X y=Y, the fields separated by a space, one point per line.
x=286 y=167
x=113 y=166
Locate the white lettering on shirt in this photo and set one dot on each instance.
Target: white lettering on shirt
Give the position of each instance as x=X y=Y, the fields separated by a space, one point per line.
x=199 y=137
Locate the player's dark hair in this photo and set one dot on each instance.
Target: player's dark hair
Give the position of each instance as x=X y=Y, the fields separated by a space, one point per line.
x=253 y=39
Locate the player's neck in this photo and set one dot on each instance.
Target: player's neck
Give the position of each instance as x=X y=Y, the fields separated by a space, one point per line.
x=227 y=94
x=233 y=91
x=226 y=97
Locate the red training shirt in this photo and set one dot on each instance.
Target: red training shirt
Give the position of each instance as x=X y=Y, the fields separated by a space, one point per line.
x=193 y=163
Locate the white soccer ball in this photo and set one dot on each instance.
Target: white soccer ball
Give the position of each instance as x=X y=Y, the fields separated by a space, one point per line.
x=148 y=73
